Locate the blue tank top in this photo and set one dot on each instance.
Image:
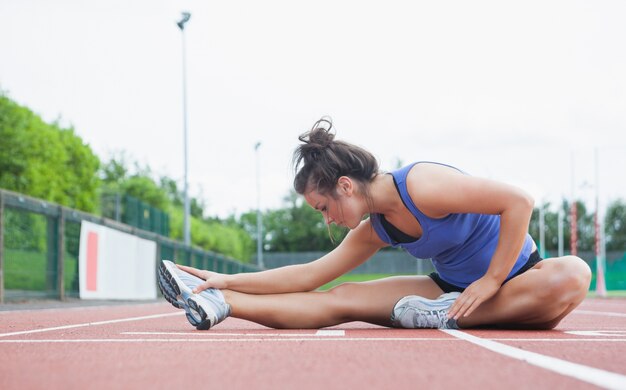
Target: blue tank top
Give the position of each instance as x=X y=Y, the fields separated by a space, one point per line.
x=460 y=246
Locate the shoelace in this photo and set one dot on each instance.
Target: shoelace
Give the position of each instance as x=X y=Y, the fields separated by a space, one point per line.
x=431 y=319
x=217 y=301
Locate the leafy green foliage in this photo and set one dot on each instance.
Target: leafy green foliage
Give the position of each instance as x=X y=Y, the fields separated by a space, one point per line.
x=163 y=194
x=24 y=231
x=615 y=221
x=52 y=163
x=615 y=227
x=295 y=228
x=44 y=160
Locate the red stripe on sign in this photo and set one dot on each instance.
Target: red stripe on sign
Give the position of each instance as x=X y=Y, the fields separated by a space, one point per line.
x=92 y=261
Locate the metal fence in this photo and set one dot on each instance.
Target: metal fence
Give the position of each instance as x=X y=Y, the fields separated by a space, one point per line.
x=399 y=262
x=134 y=212
x=39 y=248
x=388 y=261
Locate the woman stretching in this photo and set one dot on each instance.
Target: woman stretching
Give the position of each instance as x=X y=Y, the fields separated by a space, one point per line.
x=488 y=271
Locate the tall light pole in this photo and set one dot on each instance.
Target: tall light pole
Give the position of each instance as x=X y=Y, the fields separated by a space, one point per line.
x=259 y=223
x=560 y=230
x=542 y=232
x=600 y=280
x=186 y=231
x=573 y=212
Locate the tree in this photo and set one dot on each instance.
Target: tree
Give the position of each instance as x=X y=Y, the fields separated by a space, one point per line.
x=585 y=226
x=114 y=172
x=615 y=226
x=295 y=228
x=207 y=233
x=44 y=160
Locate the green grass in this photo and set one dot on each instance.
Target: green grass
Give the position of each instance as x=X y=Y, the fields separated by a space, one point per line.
x=26 y=270
x=354 y=278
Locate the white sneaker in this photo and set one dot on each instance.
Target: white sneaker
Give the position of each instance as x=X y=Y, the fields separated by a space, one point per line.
x=203 y=310
x=414 y=312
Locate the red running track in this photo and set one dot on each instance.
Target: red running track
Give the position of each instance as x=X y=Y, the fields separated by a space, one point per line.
x=153 y=346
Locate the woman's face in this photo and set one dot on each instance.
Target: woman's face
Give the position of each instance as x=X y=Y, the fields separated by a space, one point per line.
x=344 y=209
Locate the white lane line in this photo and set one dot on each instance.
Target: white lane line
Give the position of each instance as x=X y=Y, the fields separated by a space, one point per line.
x=90 y=324
x=599 y=313
x=330 y=333
x=595 y=376
x=562 y=340
x=261 y=338
x=220 y=340
x=82 y=308
x=599 y=333
x=217 y=334
x=341 y=333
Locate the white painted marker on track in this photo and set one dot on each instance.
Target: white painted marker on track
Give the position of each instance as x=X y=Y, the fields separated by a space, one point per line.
x=599 y=333
x=225 y=340
x=330 y=333
x=599 y=313
x=90 y=324
x=327 y=333
x=595 y=376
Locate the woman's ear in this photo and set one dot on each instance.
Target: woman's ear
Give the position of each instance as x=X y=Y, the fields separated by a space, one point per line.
x=345 y=185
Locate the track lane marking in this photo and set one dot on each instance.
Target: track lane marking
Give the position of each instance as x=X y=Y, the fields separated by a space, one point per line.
x=319 y=333
x=216 y=334
x=600 y=333
x=90 y=324
x=330 y=332
x=600 y=313
x=220 y=340
x=81 y=308
x=303 y=335
x=559 y=340
x=272 y=337
x=595 y=376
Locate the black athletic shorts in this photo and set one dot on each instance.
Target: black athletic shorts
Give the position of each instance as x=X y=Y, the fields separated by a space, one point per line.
x=533 y=259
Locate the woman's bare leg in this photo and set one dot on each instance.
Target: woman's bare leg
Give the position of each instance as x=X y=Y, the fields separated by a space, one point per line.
x=539 y=298
x=365 y=301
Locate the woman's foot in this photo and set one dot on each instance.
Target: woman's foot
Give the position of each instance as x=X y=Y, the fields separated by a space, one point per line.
x=203 y=310
x=415 y=312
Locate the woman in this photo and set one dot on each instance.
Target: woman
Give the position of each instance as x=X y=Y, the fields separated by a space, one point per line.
x=473 y=229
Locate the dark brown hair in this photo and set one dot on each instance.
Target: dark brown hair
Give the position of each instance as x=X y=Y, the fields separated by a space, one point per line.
x=321 y=160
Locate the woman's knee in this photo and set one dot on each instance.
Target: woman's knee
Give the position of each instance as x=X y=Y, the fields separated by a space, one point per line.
x=579 y=273
x=341 y=302
x=344 y=291
x=570 y=278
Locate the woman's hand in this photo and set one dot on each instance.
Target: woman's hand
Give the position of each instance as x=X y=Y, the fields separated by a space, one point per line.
x=475 y=294
x=211 y=279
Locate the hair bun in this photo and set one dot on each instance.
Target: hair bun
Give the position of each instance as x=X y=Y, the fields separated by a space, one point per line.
x=320 y=134
x=317 y=139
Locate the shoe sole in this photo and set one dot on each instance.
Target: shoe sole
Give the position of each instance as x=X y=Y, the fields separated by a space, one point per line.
x=194 y=312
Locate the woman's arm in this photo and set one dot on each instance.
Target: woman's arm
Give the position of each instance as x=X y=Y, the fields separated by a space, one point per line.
x=439 y=190
x=358 y=246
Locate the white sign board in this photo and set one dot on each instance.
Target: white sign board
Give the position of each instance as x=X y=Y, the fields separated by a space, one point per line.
x=115 y=265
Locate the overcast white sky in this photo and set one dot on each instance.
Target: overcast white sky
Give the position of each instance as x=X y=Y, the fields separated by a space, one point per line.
x=506 y=90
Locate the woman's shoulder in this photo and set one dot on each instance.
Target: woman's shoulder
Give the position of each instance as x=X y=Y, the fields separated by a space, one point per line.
x=424 y=173
x=429 y=183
